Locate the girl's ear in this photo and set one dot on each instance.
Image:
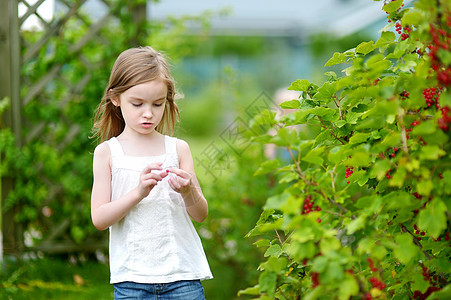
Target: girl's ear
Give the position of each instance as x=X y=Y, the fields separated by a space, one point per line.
x=114 y=98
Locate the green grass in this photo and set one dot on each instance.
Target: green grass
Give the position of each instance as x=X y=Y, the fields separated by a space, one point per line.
x=54 y=279
x=58 y=279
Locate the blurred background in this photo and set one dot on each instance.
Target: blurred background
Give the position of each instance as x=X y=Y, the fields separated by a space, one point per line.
x=230 y=59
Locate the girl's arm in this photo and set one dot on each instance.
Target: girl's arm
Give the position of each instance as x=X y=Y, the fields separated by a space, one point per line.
x=105 y=212
x=187 y=185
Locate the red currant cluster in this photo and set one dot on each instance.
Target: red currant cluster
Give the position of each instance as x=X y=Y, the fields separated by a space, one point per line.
x=371 y=264
x=308 y=206
x=432 y=96
x=388 y=17
x=400 y=29
x=395 y=149
x=377 y=283
x=440 y=40
x=349 y=171
x=418 y=196
x=418 y=232
x=419 y=295
x=387 y=175
x=404 y=95
x=315 y=279
x=413 y=124
x=444 y=121
x=374 y=281
x=426 y=275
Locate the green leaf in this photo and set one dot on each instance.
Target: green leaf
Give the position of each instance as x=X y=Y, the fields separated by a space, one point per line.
x=405 y=251
x=412 y=17
x=348 y=287
x=356 y=224
x=326 y=91
x=328 y=114
x=424 y=187
x=276 y=201
x=359 y=137
x=267 y=166
x=255 y=290
x=286 y=137
x=398 y=178
x=419 y=284
x=365 y=47
x=431 y=152
x=445 y=56
x=352 y=117
x=432 y=219
x=290 y=104
x=301 y=250
x=360 y=158
x=267 y=282
x=383 y=108
x=424 y=128
x=300 y=85
x=392 y=6
x=323 y=136
x=398 y=199
x=443 y=294
x=314 y=156
x=262 y=243
x=274 y=264
x=447 y=181
x=387 y=37
x=288 y=177
x=273 y=250
x=336 y=59
x=340 y=123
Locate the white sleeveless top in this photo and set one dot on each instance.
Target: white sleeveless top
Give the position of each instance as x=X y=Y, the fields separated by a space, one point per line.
x=156 y=241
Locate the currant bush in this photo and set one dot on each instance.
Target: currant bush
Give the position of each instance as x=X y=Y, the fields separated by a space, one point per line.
x=378 y=166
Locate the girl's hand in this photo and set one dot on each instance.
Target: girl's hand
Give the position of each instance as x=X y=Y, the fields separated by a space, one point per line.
x=149 y=179
x=181 y=180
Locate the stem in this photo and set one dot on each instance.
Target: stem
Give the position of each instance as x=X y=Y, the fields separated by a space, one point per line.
x=298 y=167
x=334 y=213
x=332 y=178
x=282 y=243
x=403 y=132
x=331 y=132
x=344 y=210
x=415 y=241
x=337 y=103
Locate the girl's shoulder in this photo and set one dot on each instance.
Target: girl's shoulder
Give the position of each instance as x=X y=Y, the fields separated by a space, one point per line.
x=102 y=150
x=181 y=145
x=183 y=150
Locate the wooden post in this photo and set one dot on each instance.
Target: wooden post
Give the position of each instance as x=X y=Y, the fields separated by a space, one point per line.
x=139 y=15
x=10 y=88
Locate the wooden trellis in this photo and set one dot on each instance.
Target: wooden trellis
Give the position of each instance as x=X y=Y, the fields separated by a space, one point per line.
x=16 y=52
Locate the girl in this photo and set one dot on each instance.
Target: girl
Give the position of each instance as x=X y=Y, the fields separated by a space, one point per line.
x=145 y=189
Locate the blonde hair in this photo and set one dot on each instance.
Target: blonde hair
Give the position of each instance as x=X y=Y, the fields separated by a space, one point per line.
x=132 y=67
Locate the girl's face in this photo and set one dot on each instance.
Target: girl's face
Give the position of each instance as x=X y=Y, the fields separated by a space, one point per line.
x=142 y=106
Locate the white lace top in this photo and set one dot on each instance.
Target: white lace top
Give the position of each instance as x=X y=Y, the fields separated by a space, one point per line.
x=156 y=241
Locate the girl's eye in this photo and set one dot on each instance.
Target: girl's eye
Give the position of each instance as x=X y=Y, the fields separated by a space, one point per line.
x=158 y=104
x=136 y=104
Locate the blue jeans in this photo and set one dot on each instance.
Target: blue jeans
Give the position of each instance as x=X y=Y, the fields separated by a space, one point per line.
x=185 y=289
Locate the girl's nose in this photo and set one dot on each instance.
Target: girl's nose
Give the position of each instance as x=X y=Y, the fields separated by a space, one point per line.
x=147 y=113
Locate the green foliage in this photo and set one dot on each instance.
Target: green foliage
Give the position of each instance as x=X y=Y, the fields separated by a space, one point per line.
x=364 y=211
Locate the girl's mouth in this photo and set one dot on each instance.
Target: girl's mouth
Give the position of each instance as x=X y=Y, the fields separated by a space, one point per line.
x=146 y=124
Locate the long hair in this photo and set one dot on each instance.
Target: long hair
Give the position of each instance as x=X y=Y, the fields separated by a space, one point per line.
x=132 y=67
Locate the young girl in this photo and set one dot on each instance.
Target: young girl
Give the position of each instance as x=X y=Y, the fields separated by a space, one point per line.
x=145 y=189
